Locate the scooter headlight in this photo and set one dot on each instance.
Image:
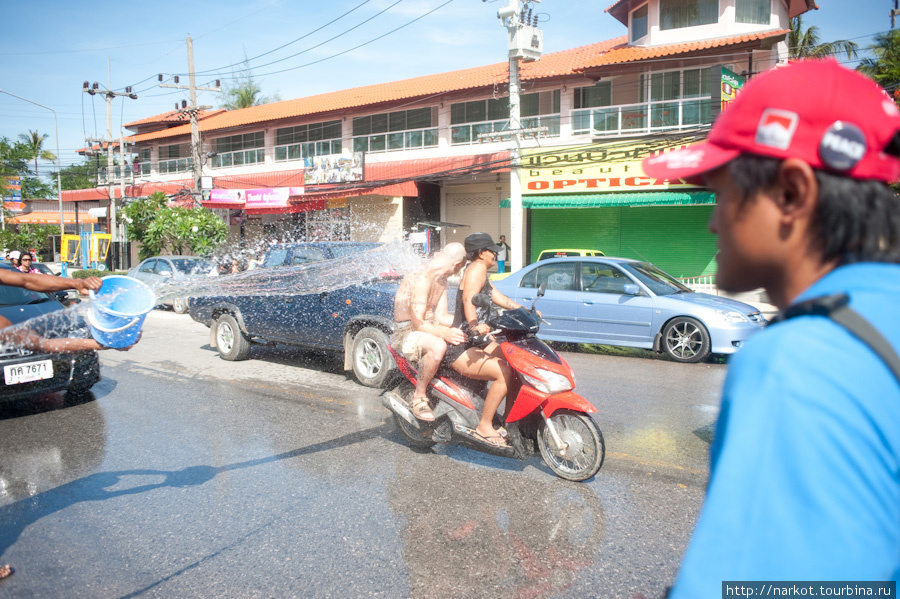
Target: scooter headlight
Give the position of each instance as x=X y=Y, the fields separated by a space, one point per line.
x=549 y=382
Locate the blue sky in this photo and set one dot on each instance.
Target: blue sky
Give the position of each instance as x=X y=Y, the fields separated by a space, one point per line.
x=51 y=47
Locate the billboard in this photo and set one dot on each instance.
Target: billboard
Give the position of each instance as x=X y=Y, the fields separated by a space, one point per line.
x=333 y=168
x=12 y=199
x=612 y=167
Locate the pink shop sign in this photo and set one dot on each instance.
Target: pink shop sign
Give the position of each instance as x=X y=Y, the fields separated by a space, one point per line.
x=273 y=197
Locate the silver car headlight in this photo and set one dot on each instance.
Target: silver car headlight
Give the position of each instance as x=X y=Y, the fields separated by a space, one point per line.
x=731 y=317
x=551 y=383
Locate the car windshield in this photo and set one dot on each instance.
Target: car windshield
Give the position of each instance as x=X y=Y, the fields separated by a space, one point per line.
x=17 y=296
x=351 y=248
x=193 y=266
x=656 y=280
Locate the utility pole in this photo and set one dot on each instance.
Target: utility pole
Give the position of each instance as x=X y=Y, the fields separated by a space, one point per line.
x=94 y=89
x=192 y=110
x=895 y=12
x=525 y=41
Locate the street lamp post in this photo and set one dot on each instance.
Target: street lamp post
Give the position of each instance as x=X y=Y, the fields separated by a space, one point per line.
x=62 y=225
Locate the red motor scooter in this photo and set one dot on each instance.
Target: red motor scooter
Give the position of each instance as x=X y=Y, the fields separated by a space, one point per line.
x=545 y=411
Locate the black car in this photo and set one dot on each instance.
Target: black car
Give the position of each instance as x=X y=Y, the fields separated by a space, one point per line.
x=24 y=372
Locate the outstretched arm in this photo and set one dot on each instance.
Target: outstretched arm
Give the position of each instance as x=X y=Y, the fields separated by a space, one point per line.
x=48 y=283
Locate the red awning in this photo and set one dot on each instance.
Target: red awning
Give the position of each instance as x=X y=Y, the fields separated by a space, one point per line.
x=132 y=191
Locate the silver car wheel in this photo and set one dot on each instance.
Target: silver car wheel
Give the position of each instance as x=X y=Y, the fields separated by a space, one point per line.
x=225 y=337
x=686 y=340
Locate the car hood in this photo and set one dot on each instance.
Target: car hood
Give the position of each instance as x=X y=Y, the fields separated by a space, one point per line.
x=713 y=302
x=17 y=314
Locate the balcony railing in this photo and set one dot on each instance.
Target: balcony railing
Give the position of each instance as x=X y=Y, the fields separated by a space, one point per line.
x=397 y=140
x=642 y=118
x=103 y=172
x=175 y=165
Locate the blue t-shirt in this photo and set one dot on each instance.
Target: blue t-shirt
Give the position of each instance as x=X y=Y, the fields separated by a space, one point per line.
x=805 y=468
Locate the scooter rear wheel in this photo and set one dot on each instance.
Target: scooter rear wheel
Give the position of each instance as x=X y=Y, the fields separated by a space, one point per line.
x=585 y=449
x=415 y=437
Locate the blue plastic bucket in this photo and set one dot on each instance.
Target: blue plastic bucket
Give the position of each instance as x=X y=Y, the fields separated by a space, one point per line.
x=118 y=309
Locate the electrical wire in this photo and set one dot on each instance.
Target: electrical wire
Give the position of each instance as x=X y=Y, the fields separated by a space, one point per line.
x=293 y=41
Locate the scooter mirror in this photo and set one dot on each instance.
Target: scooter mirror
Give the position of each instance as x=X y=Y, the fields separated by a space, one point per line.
x=542 y=290
x=481 y=300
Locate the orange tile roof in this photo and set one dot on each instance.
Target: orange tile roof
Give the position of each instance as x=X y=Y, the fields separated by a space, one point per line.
x=625 y=53
x=174 y=116
x=554 y=64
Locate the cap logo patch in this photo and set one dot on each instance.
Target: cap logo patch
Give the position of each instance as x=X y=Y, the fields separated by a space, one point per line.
x=776 y=128
x=687 y=158
x=842 y=146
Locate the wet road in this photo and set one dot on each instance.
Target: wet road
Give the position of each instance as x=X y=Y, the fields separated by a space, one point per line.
x=188 y=476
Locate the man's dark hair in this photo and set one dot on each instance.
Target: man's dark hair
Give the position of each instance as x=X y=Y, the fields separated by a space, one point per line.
x=857 y=220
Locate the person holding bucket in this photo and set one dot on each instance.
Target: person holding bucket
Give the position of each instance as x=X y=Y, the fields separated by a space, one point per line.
x=27 y=339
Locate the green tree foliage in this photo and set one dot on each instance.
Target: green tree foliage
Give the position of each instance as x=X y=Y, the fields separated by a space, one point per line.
x=243 y=91
x=884 y=64
x=34 y=143
x=28 y=236
x=34 y=188
x=79 y=176
x=158 y=226
x=805 y=43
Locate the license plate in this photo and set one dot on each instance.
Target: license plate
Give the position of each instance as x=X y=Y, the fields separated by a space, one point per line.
x=28 y=372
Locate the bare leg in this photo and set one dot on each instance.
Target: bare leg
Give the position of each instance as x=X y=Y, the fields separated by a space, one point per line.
x=433 y=350
x=479 y=365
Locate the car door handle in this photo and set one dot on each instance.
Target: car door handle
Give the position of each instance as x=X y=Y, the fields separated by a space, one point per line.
x=587 y=303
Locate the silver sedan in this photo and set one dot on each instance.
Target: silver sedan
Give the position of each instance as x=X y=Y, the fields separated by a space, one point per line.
x=616 y=301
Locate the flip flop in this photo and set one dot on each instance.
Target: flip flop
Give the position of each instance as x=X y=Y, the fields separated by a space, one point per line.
x=490 y=439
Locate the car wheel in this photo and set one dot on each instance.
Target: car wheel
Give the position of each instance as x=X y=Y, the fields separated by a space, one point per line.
x=370 y=357
x=684 y=339
x=232 y=343
x=180 y=305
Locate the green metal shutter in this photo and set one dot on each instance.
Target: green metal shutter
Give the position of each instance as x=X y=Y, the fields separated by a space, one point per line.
x=674 y=238
x=581 y=228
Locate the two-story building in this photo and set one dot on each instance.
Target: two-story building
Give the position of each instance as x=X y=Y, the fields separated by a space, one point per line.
x=420 y=150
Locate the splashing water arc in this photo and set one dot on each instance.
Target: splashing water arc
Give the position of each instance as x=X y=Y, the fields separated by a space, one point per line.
x=398 y=259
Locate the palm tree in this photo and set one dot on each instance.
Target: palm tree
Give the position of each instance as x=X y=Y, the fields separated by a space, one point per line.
x=34 y=142
x=244 y=92
x=884 y=65
x=806 y=44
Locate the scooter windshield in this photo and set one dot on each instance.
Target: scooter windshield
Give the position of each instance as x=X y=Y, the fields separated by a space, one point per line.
x=538 y=348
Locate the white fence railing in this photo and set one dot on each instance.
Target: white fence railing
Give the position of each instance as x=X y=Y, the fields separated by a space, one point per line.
x=701 y=284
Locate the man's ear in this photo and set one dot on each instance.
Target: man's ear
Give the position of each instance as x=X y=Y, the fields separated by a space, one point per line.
x=798 y=190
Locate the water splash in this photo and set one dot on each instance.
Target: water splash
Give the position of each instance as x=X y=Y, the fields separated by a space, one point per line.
x=394 y=260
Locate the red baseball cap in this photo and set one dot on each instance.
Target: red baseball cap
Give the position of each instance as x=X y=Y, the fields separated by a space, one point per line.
x=832 y=118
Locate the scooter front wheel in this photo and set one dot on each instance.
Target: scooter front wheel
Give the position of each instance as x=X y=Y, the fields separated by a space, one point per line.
x=584 y=448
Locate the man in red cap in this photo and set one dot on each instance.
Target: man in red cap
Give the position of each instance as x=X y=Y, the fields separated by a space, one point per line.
x=805 y=467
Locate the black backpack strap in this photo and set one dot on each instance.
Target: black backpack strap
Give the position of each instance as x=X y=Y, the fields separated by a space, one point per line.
x=837 y=308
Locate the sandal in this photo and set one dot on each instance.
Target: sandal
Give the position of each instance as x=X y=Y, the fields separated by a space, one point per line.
x=421 y=409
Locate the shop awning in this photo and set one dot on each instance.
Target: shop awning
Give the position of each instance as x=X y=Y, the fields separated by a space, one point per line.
x=609 y=200
x=51 y=218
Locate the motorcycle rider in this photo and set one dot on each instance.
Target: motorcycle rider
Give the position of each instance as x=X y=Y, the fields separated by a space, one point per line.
x=488 y=363
x=422 y=323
